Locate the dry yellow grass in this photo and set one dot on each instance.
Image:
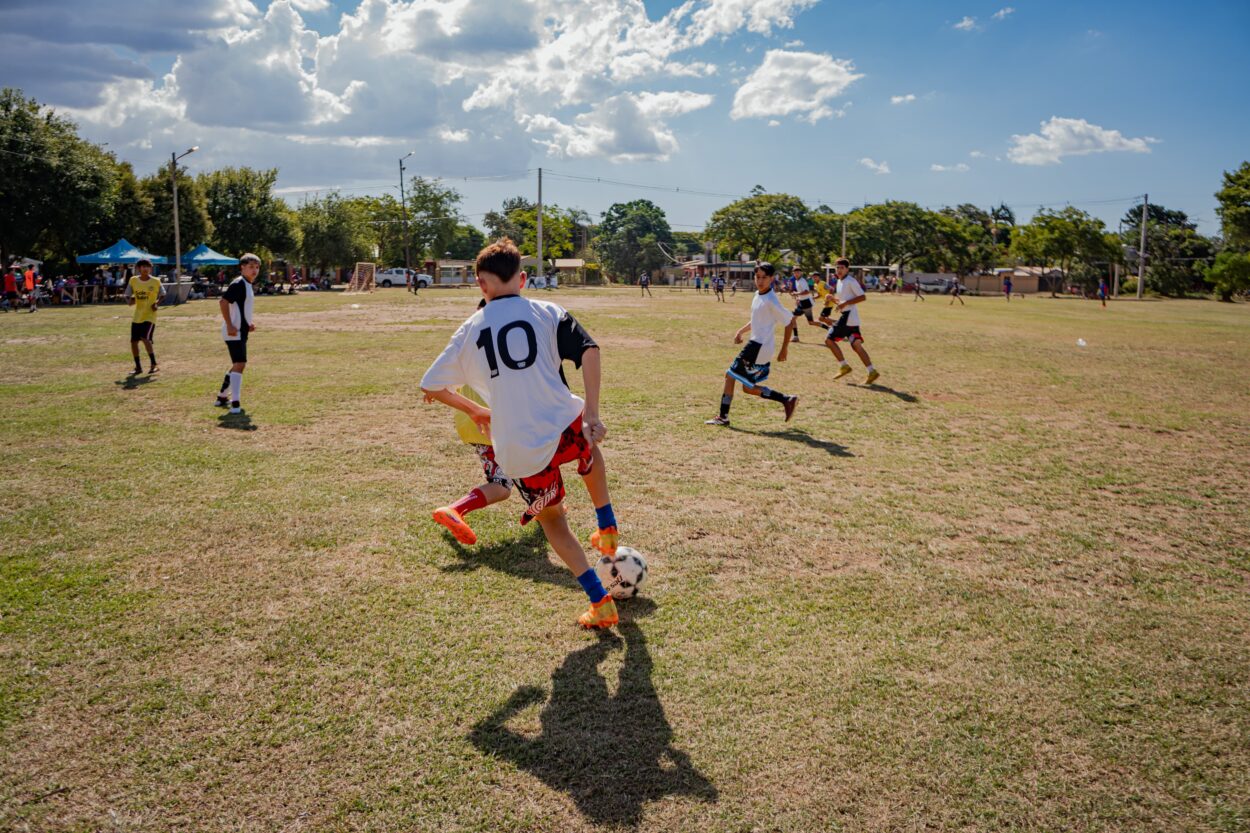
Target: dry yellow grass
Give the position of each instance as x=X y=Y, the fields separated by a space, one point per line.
x=1004 y=590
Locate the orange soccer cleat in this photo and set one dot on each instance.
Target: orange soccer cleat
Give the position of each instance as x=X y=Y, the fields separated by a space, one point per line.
x=452 y=519
x=605 y=540
x=602 y=614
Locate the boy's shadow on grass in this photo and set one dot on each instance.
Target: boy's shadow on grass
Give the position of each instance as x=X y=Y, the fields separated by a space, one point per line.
x=524 y=557
x=236 y=422
x=132 y=381
x=903 y=395
x=799 y=436
x=611 y=753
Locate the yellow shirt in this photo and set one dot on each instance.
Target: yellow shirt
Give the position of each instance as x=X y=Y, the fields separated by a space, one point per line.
x=146 y=294
x=822 y=288
x=466 y=427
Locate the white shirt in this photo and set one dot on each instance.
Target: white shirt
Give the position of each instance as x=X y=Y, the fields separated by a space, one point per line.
x=849 y=289
x=802 y=289
x=507 y=352
x=766 y=314
x=232 y=294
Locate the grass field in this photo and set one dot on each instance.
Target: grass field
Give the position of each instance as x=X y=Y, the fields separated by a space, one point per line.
x=1008 y=589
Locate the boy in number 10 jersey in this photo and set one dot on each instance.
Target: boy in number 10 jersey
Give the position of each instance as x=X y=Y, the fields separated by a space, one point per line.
x=510 y=352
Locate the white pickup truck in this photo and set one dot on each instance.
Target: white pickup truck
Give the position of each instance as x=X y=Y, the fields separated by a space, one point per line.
x=396 y=277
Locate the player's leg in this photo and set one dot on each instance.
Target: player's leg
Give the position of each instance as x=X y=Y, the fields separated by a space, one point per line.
x=857 y=344
x=555 y=524
x=726 y=400
x=606 y=536
x=148 y=342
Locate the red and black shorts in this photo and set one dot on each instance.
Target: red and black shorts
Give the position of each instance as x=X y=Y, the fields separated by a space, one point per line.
x=142 y=330
x=546 y=488
x=842 y=330
x=494 y=474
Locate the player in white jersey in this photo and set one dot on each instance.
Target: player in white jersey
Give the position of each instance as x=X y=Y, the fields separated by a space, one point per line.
x=847 y=296
x=752 y=364
x=237 y=323
x=510 y=352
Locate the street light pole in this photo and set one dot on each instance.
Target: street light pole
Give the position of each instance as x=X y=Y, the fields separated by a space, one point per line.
x=173 y=176
x=403 y=202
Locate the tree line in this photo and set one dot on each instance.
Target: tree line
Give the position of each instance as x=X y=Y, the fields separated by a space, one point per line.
x=61 y=195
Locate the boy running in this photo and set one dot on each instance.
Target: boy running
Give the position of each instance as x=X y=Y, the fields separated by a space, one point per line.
x=802 y=293
x=144 y=293
x=752 y=364
x=957 y=290
x=848 y=295
x=236 y=324
x=644 y=281
x=510 y=351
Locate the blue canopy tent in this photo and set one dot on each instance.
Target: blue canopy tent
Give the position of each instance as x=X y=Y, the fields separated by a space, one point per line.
x=123 y=251
x=202 y=255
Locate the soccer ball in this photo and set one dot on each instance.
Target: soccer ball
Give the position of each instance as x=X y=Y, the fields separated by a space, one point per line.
x=624 y=574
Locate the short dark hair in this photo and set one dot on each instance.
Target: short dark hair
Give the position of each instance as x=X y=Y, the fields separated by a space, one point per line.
x=249 y=258
x=767 y=267
x=501 y=259
x=842 y=262
x=142 y=261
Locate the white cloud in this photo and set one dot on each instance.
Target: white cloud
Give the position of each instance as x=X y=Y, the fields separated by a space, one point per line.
x=1002 y=13
x=794 y=44
x=311 y=5
x=449 y=135
x=875 y=167
x=976 y=154
x=959 y=168
x=967 y=24
x=903 y=99
x=623 y=128
x=793 y=83
x=1062 y=137
x=774 y=123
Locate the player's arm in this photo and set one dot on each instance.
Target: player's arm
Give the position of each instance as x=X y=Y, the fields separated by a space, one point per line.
x=479 y=414
x=129 y=296
x=574 y=344
x=224 y=304
x=785 y=341
x=746 y=328
x=843 y=305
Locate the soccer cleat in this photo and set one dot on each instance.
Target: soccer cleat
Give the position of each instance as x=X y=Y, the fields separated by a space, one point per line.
x=454 y=522
x=842 y=371
x=602 y=614
x=235 y=408
x=605 y=540
x=154 y=369
x=790 y=404
x=718 y=420
x=223 y=402
x=872 y=377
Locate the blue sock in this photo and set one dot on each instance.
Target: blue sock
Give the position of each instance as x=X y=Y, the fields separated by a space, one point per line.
x=589 y=581
x=605 y=516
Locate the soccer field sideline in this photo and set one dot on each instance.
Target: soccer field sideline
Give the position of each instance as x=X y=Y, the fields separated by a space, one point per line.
x=1006 y=589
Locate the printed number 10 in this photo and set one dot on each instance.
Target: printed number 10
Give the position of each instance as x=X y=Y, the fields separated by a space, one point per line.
x=486 y=341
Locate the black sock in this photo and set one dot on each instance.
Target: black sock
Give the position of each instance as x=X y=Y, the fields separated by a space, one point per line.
x=776 y=396
x=725 y=402
x=138 y=364
x=225 y=384
x=152 y=358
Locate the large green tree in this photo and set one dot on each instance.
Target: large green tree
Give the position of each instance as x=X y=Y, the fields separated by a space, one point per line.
x=760 y=226
x=335 y=231
x=468 y=241
x=1234 y=208
x=501 y=224
x=630 y=239
x=890 y=233
x=1069 y=240
x=245 y=214
x=55 y=187
x=194 y=224
x=433 y=215
x=1229 y=275
x=1175 y=252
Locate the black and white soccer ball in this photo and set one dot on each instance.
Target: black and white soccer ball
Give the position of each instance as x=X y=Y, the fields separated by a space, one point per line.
x=623 y=574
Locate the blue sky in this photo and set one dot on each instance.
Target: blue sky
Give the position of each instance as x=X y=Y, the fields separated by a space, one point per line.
x=1024 y=102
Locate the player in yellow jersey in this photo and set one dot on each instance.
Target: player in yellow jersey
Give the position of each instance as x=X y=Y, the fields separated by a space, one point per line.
x=825 y=294
x=144 y=293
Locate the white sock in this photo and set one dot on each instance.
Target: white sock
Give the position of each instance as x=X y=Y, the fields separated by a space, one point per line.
x=236 y=386
x=871 y=368
x=845 y=363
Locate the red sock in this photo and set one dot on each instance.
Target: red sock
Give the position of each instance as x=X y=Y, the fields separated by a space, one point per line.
x=473 y=500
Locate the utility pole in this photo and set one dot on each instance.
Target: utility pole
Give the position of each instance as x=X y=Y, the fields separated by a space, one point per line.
x=843 y=236
x=173 y=177
x=539 y=268
x=1141 y=253
x=403 y=202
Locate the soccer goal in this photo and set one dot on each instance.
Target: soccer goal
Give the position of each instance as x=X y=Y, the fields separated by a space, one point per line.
x=362 y=278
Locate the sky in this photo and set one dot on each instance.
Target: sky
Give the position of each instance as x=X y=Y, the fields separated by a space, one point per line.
x=687 y=104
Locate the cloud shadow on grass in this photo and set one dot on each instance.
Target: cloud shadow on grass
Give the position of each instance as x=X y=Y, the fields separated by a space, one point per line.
x=610 y=753
x=903 y=395
x=799 y=436
x=524 y=557
x=236 y=422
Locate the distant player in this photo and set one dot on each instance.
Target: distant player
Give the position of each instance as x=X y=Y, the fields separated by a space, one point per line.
x=802 y=292
x=10 y=290
x=236 y=325
x=1103 y=291
x=644 y=281
x=144 y=293
x=919 y=296
x=698 y=283
x=510 y=351
x=957 y=290
x=28 y=282
x=848 y=296
x=751 y=366
x=718 y=286
x=1007 y=287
